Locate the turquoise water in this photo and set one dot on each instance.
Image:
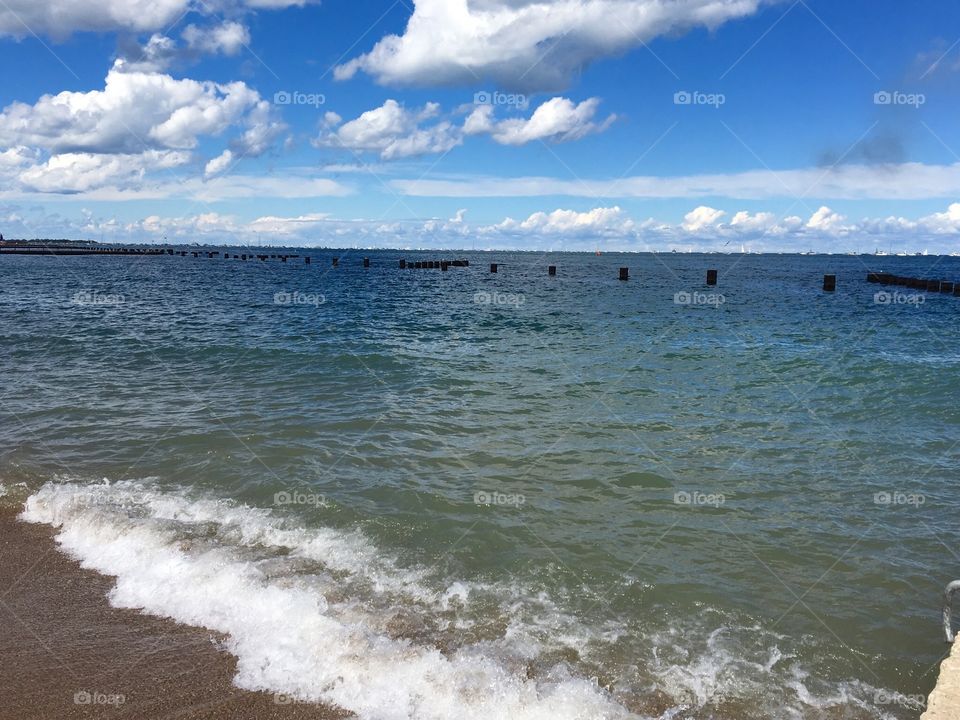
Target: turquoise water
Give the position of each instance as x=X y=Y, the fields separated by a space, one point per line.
x=601 y=500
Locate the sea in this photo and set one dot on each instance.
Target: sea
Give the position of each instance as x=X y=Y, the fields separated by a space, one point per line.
x=423 y=494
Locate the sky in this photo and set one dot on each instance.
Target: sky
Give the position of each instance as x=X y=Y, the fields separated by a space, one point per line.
x=716 y=125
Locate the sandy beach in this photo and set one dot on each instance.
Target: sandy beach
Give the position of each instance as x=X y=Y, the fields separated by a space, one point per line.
x=65 y=653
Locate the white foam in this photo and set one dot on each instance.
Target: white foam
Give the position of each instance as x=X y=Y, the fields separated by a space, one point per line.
x=322 y=634
x=283 y=634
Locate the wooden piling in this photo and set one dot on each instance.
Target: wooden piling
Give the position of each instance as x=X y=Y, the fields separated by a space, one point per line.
x=946 y=287
x=306 y=260
x=366 y=262
x=336 y=261
x=711 y=277
x=551 y=270
x=933 y=286
x=403 y=264
x=493 y=267
x=829 y=283
x=624 y=273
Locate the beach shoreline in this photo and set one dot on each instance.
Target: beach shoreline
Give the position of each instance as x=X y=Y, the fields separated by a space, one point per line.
x=66 y=653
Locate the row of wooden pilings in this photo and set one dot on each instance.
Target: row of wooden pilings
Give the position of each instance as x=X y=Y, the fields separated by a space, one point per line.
x=938 y=286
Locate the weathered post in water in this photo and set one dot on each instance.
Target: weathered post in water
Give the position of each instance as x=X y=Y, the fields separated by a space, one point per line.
x=336 y=261
x=829 y=283
x=711 y=277
x=366 y=262
x=552 y=270
x=493 y=267
x=306 y=260
x=624 y=273
x=403 y=264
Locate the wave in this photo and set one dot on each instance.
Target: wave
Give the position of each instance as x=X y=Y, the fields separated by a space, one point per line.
x=322 y=615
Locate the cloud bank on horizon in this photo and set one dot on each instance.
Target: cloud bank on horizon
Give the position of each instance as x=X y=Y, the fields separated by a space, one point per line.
x=638 y=124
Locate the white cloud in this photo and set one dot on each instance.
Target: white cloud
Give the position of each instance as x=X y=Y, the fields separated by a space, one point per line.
x=746 y=222
x=218 y=164
x=558 y=119
x=610 y=227
x=527 y=44
x=701 y=217
x=826 y=220
x=61 y=18
x=944 y=223
x=908 y=181
x=570 y=222
x=139 y=123
x=262 y=131
x=80 y=172
x=161 y=52
x=392 y=131
x=133 y=111
x=395 y=132
x=226 y=38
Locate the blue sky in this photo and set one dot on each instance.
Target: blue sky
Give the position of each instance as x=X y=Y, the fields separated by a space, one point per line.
x=648 y=124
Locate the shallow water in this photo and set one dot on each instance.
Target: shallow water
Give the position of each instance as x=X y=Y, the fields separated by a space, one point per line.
x=413 y=493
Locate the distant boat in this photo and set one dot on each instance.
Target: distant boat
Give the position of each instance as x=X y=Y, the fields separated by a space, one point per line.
x=880 y=253
x=598 y=251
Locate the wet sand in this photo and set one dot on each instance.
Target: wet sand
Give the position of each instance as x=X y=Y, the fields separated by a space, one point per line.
x=65 y=653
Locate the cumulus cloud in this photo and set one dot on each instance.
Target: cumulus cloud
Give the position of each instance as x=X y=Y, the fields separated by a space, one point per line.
x=21 y=18
x=79 y=172
x=218 y=164
x=392 y=131
x=140 y=122
x=945 y=223
x=527 y=44
x=701 y=217
x=703 y=228
x=396 y=132
x=161 y=52
x=826 y=220
x=599 y=221
x=557 y=119
x=133 y=110
x=612 y=227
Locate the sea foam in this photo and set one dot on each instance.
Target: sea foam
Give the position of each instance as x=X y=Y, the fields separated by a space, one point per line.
x=306 y=612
